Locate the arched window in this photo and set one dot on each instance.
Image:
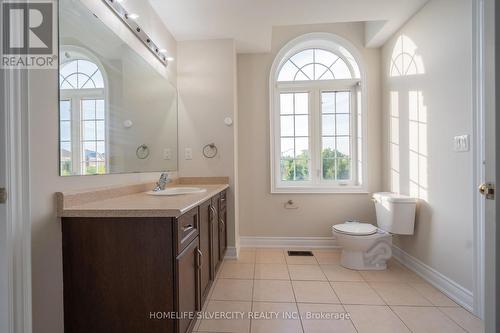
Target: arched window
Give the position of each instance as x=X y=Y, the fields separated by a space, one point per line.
x=314 y=64
x=316 y=117
x=82 y=114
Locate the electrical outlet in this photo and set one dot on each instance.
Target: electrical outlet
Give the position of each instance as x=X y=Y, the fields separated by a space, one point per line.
x=188 y=154
x=167 y=154
x=461 y=143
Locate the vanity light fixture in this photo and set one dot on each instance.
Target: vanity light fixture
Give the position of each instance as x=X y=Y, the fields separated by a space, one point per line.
x=163 y=51
x=129 y=19
x=132 y=16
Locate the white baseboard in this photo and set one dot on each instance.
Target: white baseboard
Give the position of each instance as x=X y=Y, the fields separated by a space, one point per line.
x=449 y=287
x=294 y=242
x=231 y=253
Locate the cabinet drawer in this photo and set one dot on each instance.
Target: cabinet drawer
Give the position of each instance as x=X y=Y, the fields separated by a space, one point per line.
x=187 y=229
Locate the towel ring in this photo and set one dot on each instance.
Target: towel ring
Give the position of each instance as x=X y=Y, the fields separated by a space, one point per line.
x=210 y=150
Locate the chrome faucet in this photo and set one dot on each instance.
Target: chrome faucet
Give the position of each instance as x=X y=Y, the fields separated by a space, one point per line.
x=162 y=182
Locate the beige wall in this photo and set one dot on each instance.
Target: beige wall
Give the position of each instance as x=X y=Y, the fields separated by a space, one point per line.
x=262 y=213
x=207 y=95
x=441 y=31
x=45 y=181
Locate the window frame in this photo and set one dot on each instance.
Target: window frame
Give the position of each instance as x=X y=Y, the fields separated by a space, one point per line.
x=357 y=88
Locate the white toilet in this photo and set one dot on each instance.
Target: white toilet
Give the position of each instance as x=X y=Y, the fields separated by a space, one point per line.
x=366 y=247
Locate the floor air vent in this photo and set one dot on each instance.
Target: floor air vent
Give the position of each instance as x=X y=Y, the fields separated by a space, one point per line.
x=300 y=253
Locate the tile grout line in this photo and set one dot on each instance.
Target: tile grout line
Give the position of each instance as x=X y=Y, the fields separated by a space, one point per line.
x=253 y=287
x=401 y=319
x=451 y=318
x=294 y=296
x=428 y=299
x=350 y=318
x=329 y=282
x=331 y=287
x=385 y=302
x=365 y=280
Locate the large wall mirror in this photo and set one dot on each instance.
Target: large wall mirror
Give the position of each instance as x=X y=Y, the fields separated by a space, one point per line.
x=117 y=113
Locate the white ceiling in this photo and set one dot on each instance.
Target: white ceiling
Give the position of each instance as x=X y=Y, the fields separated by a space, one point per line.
x=250 y=22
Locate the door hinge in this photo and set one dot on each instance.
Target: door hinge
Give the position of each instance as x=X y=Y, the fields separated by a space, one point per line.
x=488 y=190
x=3 y=195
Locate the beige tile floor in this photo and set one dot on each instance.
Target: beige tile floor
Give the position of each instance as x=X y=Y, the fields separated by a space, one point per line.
x=316 y=294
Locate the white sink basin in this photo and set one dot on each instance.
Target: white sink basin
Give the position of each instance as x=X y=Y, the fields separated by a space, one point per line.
x=178 y=191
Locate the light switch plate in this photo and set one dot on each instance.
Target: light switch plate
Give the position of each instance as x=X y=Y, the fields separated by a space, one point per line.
x=188 y=154
x=461 y=143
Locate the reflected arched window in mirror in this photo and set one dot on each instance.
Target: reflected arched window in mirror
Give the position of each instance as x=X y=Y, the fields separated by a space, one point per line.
x=316 y=129
x=80 y=74
x=405 y=60
x=314 y=64
x=82 y=115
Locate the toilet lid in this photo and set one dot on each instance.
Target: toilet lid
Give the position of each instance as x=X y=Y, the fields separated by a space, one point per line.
x=356 y=228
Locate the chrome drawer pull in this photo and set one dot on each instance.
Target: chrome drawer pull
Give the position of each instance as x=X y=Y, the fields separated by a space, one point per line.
x=187 y=228
x=200 y=258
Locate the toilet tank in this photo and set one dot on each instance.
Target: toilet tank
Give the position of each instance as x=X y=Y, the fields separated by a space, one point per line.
x=395 y=212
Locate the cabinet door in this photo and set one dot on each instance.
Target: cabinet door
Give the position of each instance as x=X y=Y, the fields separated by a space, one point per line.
x=117 y=272
x=222 y=225
x=188 y=287
x=214 y=221
x=205 y=245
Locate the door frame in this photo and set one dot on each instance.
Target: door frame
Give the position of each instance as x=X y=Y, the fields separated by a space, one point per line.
x=481 y=86
x=18 y=217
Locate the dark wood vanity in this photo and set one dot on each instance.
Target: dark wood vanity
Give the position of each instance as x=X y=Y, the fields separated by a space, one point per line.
x=141 y=274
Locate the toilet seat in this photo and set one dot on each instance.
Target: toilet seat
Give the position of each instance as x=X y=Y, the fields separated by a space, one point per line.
x=355 y=228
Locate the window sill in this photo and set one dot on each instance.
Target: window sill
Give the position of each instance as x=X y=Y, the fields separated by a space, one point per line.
x=316 y=190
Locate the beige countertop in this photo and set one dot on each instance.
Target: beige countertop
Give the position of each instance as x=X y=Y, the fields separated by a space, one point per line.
x=132 y=201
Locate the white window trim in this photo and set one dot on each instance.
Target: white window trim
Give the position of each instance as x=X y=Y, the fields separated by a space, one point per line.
x=315 y=40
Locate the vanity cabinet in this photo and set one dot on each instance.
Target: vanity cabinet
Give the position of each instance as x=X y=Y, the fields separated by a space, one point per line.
x=132 y=274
